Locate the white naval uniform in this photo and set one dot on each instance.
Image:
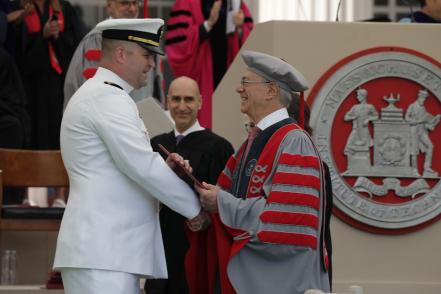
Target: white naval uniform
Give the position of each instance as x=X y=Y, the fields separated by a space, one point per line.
x=111 y=220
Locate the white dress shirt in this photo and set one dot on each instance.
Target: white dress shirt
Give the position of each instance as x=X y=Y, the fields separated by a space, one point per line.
x=272 y=118
x=194 y=128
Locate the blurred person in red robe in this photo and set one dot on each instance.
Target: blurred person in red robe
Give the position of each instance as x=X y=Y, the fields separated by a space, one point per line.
x=203 y=37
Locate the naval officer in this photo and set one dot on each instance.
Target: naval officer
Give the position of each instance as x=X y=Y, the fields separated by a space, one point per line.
x=110 y=234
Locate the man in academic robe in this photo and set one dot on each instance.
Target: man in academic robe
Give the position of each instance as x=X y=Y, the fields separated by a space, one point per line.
x=199 y=44
x=188 y=253
x=269 y=205
x=86 y=58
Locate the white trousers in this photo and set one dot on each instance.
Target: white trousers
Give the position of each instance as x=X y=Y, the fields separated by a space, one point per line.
x=93 y=281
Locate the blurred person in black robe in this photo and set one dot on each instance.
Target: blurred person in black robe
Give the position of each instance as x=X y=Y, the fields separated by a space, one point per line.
x=187 y=252
x=53 y=31
x=430 y=12
x=14 y=120
x=12 y=13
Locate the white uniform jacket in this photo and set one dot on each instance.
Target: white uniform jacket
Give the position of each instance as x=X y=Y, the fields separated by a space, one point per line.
x=111 y=219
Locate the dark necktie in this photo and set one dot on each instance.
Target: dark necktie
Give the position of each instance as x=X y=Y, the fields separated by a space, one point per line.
x=179 y=138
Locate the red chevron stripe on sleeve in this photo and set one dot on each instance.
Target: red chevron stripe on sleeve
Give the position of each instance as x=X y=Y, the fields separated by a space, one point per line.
x=224 y=180
x=294 y=199
x=299 y=160
x=290 y=218
x=93 y=54
x=89 y=72
x=288 y=238
x=296 y=179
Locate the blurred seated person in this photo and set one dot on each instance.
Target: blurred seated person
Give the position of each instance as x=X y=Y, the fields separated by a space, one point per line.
x=430 y=12
x=14 y=119
x=87 y=56
x=53 y=31
x=12 y=13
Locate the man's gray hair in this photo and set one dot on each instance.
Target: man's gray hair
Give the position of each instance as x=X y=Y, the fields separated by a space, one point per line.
x=285 y=97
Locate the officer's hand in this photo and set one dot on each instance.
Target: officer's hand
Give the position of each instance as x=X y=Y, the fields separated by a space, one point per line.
x=177 y=163
x=200 y=222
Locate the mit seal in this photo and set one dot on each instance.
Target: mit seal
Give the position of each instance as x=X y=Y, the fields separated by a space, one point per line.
x=376 y=116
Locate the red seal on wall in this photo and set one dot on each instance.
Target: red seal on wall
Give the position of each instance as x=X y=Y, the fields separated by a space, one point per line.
x=376 y=116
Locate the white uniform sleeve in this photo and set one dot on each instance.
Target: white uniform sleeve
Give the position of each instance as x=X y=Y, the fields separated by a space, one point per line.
x=121 y=129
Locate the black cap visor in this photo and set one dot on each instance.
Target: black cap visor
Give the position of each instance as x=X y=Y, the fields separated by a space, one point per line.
x=152 y=49
x=146 y=40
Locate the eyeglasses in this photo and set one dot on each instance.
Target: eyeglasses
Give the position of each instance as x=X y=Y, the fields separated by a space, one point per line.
x=244 y=82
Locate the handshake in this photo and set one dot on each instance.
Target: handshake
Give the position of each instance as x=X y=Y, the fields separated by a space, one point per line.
x=207 y=193
x=208 y=198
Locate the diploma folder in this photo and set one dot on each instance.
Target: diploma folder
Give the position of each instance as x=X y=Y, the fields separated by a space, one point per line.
x=181 y=167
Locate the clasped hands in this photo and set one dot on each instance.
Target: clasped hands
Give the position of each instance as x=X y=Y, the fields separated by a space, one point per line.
x=17 y=16
x=207 y=194
x=208 y=198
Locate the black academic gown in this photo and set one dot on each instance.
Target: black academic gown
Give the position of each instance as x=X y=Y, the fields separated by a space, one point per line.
x=207 y=153
x=44 y=87
x=14 y=120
